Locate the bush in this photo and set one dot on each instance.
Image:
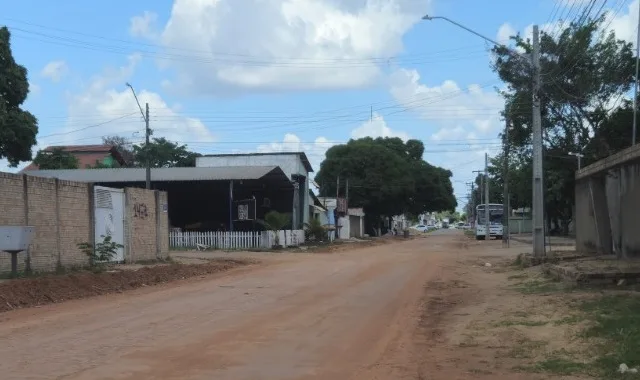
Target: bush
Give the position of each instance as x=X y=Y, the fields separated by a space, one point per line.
x=102 y=252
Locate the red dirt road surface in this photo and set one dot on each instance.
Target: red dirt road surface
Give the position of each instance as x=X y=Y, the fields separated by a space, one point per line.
x=349 y=315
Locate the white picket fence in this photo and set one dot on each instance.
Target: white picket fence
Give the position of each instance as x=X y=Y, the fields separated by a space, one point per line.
x=234 y=240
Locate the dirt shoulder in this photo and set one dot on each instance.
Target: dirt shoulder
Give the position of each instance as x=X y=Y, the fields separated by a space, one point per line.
x=486 y=318
x=55 y=288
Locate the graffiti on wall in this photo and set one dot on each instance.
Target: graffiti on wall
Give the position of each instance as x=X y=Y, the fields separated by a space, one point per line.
x=140 y=211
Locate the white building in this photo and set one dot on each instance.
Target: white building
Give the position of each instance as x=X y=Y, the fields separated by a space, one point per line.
x=294 y=164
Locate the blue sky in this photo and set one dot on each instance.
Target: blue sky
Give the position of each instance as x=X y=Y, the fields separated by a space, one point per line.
x=276 y=75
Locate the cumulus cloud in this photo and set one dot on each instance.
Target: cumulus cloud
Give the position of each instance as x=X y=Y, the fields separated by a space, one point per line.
x=624 y=24
x=448 y=104
x=377 y=127
x=271 y=45
x=107 y=107
x=315 y=150
x=144 y=26
x=55 y=70
x=505 y=32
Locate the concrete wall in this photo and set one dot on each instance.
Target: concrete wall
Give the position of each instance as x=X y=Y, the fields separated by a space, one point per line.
x=146 y=233
x=291 y=164
x=607 y=204
x=62 y=214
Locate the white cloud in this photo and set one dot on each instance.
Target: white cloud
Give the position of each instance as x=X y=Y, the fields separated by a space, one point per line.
x=505 y=32
x=273 y=45
x=144 y=26
x=55 y=70
x=107 y=107
x=377 y=127
x=34 y=89
x=315 y=150
x=448 y=104
x=625 y=25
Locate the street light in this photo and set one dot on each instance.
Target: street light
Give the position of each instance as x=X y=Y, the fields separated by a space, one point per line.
x=538 y=188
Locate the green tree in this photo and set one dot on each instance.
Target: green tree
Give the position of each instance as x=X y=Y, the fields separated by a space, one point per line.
x=18 y=128
x=164 y=154
x=584 y=70
x=386 y=177
x=55 y=160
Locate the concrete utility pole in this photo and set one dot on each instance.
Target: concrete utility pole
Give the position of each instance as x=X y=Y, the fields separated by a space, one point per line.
x=486 y=197
x=505 y=179
x=635 y=84
x=538 y=186
x=538 y=194
x=147 y=132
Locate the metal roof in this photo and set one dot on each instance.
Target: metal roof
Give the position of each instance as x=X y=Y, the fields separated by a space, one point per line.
x=302 y=155
x=164 y=174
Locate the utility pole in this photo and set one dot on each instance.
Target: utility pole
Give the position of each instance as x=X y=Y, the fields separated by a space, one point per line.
x=635 y=84
x=346 y=192
x=486 y=197
x=505 y=179
x=147 y=133
x=481 y=188
x=538 y=187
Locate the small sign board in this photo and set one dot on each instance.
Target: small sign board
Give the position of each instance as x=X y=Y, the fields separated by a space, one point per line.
x=244 y=210
x=165 y=207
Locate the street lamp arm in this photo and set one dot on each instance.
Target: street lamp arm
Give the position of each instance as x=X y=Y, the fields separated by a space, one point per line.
x=496 y=43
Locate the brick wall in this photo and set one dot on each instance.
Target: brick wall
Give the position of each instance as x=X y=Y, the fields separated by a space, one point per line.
x=163 y=223
x=147 y=229
x=62 y=214
x=59 y=211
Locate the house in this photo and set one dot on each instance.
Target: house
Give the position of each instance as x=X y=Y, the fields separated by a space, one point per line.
x=347 y=223
x=88 y=156
x=295 y=165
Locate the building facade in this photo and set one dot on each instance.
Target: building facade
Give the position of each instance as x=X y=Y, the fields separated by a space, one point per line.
x=294 y=164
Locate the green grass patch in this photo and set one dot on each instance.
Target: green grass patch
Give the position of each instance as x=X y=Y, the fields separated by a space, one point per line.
x=520 y=276
x=540 y=286
x=509 y=323
x=569 y=320
x=561 y=366
x=616 y=322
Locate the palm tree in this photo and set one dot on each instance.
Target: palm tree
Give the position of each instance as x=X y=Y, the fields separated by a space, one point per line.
x=276 y=221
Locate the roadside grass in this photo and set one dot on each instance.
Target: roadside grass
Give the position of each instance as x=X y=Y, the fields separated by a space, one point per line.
x=616 y=326
x=609 y=325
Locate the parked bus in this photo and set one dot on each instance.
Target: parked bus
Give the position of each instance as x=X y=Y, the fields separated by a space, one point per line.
x=495 y=221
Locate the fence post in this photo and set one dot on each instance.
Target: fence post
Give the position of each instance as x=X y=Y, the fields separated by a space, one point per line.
x=25 y=198
x=56 y=183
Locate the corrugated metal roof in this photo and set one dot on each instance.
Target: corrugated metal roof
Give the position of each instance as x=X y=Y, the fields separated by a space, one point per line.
x=162 y=174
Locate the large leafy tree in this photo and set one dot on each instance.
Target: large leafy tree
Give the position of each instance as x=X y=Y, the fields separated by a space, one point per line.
x=18 y=128
x=55 y=159
x=584 y=72
x=386 y=177
x=163 y=153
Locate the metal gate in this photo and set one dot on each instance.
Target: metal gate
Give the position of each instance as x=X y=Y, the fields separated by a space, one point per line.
x=109 y=217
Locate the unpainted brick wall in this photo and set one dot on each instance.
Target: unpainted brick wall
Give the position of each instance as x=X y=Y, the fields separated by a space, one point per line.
x=59 y=211
x=163 y=224
x=146 y=227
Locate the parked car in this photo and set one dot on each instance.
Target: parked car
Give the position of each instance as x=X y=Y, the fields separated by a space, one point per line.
x=420 y=228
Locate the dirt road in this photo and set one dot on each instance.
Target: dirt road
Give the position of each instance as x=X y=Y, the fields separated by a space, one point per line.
x=349 y=315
